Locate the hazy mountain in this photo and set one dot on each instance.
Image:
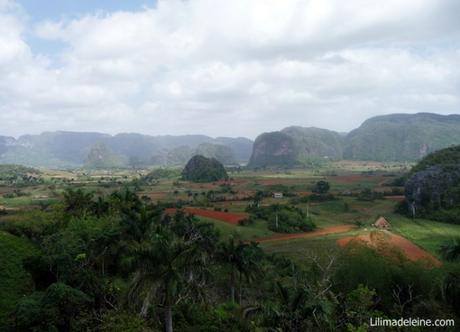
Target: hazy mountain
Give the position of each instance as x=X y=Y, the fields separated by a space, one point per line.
x=101 y=157
x=400 y=137
x=316 y=142
x=71 y=149
x=296 y=146
x=5 y=143
x=222 y=153
x=241 y=147
x=396 y=137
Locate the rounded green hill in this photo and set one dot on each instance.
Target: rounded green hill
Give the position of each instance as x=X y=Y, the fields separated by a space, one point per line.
x=202 y=169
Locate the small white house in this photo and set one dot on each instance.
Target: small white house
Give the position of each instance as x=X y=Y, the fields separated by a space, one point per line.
x=277 y=195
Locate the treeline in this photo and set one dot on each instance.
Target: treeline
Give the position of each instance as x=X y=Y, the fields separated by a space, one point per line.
x=119 y=263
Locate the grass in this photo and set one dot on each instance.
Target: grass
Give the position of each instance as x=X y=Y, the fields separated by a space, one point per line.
x=425 y=233
x=250 y=232
x=15 y=282
x=302 y=251
x=346 y=210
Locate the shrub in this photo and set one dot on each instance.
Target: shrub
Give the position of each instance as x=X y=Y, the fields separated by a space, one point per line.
x=321 y=187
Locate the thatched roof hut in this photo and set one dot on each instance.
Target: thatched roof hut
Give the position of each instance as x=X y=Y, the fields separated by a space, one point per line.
x=381 y=223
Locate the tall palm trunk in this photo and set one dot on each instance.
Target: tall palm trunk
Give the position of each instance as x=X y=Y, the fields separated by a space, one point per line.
x=168 y=310
x=232 y=286
x=240 y=290
x=168 y=319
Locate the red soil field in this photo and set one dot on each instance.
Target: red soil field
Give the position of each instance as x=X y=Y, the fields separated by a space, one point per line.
x=385 y=238
x=228 y=217
x=319 y=232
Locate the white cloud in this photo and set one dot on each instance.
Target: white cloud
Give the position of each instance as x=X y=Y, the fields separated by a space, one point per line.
x=230 y=67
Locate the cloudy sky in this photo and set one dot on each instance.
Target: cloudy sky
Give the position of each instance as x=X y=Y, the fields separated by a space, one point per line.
x=233 y=68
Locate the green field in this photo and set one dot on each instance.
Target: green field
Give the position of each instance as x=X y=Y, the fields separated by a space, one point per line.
x=29 y=209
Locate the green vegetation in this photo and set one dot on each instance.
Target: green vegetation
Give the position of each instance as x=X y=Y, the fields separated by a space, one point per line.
x=283 y=219
x=273 y=149
x=202 y=169
x=15 y=281
x=18 y=175
x=296 y=146
x=444 y=158
x=321 y=187
x=428 y=234
x=394 y=137
x=451 y=250
x=161 y=173
x=399 y=137
x=433 y=189
x=102 y=251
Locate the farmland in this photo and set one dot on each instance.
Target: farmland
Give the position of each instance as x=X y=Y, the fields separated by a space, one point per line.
x=230 y=198
x=302 y=224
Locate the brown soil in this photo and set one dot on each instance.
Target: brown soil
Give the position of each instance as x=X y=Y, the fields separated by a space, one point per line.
x=319 y=232
x=380 y=239
x=228 y=217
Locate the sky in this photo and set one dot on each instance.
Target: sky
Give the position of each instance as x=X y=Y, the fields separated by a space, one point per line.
x=223 y=68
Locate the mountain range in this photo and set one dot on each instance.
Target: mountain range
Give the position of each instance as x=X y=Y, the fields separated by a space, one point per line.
x=63 y=149
x=395 y=137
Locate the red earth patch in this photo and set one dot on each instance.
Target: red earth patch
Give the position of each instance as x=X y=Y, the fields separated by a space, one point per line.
x=228 y=217
x=380 y=239
x=319 y=232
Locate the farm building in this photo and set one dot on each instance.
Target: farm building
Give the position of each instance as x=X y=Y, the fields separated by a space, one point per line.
x=382 y=223
x=277 y=195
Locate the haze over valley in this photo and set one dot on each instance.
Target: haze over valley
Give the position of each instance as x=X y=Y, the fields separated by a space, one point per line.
x=398 y=137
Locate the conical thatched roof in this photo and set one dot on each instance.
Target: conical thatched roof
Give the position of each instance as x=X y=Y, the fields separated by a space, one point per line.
x=381 y=223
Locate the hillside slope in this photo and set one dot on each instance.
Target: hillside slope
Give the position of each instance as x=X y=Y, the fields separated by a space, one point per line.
x=433 y=188
x=296 y=146
x=402 y=137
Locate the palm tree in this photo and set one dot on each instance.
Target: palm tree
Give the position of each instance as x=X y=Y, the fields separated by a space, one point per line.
x=291 y=309
x=276 y=208
x=451 y=250
x=239 y=256
x=258 y=198
x=139 y=221
x=167 y=268
x=77 y=202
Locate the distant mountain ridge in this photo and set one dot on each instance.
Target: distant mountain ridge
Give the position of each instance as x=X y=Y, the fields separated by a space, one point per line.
x=401 y=137
x=294 y=146
x=394 y=137
x=64 y=149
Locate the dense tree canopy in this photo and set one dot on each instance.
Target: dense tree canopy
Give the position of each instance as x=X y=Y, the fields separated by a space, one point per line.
x=131 y=267
x=433 y=188
x=202 y=169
